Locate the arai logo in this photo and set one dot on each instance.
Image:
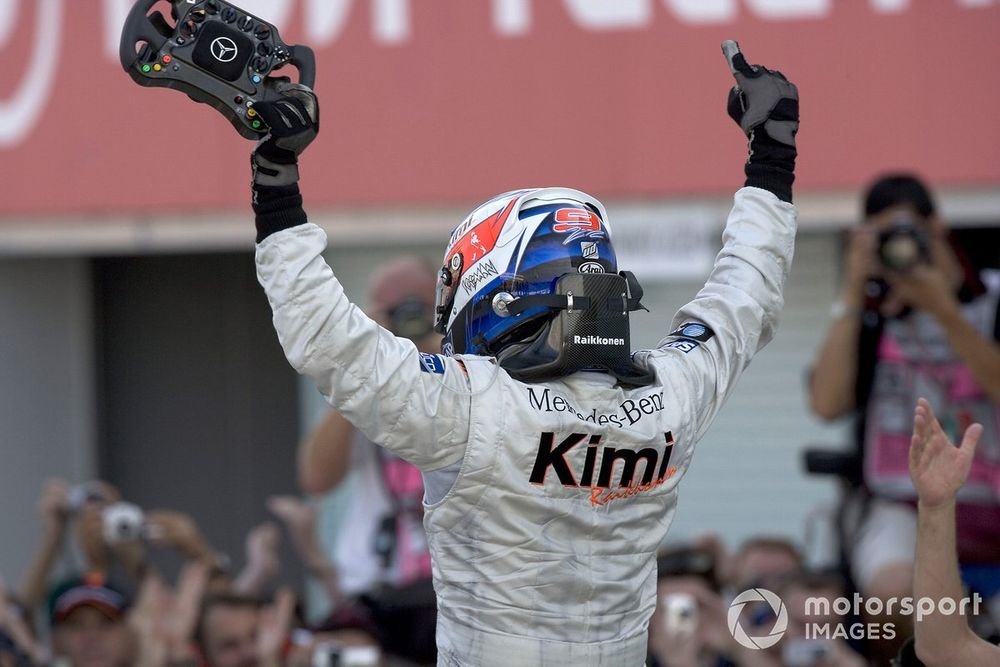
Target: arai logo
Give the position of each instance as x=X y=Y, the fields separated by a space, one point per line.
x=591 y=267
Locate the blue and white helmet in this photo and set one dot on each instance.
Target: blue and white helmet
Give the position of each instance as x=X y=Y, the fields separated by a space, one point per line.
x=515 y=246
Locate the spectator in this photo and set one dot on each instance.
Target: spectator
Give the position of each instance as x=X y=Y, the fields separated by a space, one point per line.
x=163 y=620
x=236 y=631
x=911 y=318
x=58 y=502
x=688 y=627
x=227 y=630
x=262 y=561
x=763 y=562
x=179 y=532
x=299 y=518
x=802 y=647
x=691 y=628
x=381 y=555
x=87 y=619
x=939 y=469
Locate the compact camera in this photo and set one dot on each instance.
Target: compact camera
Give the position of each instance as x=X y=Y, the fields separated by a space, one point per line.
x=680 y=614
x=903 y=245
x=334 y=654
x=800 y=652
x=123 y=522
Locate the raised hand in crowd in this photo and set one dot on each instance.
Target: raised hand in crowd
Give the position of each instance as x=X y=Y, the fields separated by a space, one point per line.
x=101 y=546
x=163 y=620
x=89 y=532
x=939 y=469
x=18 y=645
x=262 y=561
x=299 y=519
x=274 y=625
x=683 y=627
x=178 y=531
x=57 y=503
x=54 y=512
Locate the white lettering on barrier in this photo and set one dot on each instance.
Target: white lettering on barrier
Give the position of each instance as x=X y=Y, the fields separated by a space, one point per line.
x=21 y=110
x=115 y=12
x=512 y=18
x=326 y=19
x=890 y=6
x=391 y=24
x=603 y=15
x=8 y=19
x=703 y=11
x=790 y=10
x=275 y=12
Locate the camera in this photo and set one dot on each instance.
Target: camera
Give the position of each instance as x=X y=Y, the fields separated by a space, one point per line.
x=682 y=561
x=123 y=522
x=334 y=654
x=680 y=614
x=798 y=652
x=411 y=319
x=903 y=245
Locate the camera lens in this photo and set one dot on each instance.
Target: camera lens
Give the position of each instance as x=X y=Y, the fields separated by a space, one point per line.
x=900 y=253
x=903 y=245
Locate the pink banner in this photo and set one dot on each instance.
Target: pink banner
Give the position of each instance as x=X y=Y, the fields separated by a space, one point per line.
x=452 y=101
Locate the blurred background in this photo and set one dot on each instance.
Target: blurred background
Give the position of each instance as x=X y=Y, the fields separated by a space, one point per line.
x=136 y=346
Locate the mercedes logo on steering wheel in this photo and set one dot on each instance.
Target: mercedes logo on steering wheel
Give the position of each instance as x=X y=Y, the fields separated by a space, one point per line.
x=224 y=49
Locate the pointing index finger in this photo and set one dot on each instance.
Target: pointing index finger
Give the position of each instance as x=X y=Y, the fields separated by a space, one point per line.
x=730 y=49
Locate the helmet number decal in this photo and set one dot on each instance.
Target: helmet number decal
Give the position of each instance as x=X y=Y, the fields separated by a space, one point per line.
x=578 y=223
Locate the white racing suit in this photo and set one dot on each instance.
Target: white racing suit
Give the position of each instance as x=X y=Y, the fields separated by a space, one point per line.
x=545 y=502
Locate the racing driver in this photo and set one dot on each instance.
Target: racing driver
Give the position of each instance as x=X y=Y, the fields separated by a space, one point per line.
x=551 y=453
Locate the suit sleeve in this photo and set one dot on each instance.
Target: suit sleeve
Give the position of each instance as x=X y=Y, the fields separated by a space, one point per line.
x=736 y=313
x=415 y=404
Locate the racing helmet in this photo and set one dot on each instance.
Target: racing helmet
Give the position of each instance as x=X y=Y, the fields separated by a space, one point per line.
x=531 y=277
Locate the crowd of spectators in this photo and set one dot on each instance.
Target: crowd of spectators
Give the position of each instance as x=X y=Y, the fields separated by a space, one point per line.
x=113 y=607
x=117 y=609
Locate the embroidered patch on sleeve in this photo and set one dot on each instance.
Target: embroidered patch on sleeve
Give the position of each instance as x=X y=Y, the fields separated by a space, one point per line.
x=431 y=363
x=684 y=346
x=694 y=331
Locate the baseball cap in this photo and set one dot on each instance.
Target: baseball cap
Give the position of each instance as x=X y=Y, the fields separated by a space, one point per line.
x=77 y=592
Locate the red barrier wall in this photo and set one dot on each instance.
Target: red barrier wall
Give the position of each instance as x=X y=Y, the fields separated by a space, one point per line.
x=450 y=101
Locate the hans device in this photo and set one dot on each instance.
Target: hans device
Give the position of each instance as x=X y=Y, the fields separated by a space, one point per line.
x=215 y=52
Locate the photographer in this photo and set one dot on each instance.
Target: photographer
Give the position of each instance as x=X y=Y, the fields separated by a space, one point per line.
x=688 y=627
x=911 y=319
x=58 y=502
x=798 y=648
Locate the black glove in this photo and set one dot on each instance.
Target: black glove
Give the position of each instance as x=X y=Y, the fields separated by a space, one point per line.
x=293 y=120
x=766 y=107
